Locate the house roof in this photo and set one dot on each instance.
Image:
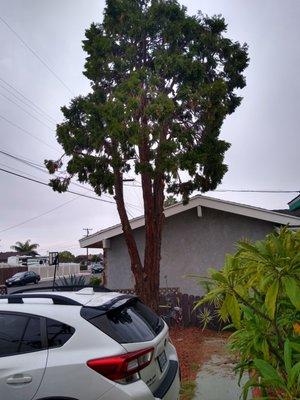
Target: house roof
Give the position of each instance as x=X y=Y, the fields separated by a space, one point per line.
x=4 y=255
x=295 y=213
x=96 y=239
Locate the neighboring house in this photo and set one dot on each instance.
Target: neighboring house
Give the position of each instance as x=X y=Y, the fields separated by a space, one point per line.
x=5 y=255
x=196 y=237
x=294 y=207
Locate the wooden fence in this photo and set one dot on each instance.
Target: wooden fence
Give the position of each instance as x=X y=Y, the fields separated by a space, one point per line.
x=205 y=315
x=172 y=297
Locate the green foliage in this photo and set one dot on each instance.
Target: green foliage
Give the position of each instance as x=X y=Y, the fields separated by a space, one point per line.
x=95 y=281
x=162 y=84
x=25 y=247
x=170 y=201
x=187 y=390
x=259 y=290
x=66 y=257
x=96 y=258
x=205 y=316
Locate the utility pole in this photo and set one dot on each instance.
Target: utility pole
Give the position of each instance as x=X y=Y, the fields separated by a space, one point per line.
x=87 y=249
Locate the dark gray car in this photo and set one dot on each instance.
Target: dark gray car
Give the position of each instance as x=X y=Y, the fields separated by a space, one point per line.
x=22 y=278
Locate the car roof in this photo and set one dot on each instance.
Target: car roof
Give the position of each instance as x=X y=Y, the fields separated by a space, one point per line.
x=85 y=297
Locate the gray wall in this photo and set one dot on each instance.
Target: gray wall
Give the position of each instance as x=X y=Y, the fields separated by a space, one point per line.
x=190 y=245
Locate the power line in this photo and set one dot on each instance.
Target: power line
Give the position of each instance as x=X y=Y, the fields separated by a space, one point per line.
x=41 y=168
x=36 y=55
x=16 y=169
x=46 y=184
x=37 y=216
x=256 y=191
x=27 y=161
x=27 y=112
x=27 y=132
x=238 y=190
x=31 y=103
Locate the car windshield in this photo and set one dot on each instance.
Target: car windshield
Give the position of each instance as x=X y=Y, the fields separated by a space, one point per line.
x=18 y=275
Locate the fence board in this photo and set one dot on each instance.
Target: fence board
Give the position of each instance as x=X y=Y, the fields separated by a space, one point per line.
x=185 y=309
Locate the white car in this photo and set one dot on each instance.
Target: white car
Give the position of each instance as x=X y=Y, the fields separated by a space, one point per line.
x=84 y=345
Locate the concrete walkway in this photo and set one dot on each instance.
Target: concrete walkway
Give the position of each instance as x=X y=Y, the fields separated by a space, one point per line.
x=216 y=379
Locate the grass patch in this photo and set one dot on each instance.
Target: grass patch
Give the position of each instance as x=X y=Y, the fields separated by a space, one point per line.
x=194 y=367
x=187 y=390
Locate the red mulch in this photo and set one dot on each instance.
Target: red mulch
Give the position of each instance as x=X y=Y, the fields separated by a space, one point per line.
x=189 y=346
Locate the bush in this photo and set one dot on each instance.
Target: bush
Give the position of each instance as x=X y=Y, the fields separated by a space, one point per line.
x=259 y=290
x=95 y=281
x=72 y=281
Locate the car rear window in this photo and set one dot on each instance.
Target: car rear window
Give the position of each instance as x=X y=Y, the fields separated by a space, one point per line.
x=133 y=322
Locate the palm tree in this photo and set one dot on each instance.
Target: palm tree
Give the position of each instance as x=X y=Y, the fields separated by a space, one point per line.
x=25 y=247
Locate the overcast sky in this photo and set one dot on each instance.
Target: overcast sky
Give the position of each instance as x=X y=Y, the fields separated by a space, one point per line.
x=263 y=131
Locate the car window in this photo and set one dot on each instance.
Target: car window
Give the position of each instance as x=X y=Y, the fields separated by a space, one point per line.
x=12 y=328
x=31 y=340
x=19 y=334
x=58 y=333
x=18 y=275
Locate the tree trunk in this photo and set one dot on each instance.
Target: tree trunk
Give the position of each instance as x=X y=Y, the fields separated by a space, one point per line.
x=136 y=265
x=153 y=195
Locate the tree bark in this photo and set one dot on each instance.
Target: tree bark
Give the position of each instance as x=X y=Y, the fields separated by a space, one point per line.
x=136 y=265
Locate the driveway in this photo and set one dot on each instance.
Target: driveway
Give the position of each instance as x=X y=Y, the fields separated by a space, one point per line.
x=216 y=379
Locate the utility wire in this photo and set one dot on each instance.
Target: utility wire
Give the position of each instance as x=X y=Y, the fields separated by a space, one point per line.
x=46 y=184
x=69 y=191
x=23 y=160
x=41 y=168
x=17 y=170
x=27 y=112
x=36 y=55
x=256 y=191
x=45 y=213
x=239 y=190
x=37 y=216
x=27 y=132
x=31 y=104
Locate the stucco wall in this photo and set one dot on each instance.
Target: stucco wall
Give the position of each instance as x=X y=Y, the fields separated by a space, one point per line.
x=190 y=245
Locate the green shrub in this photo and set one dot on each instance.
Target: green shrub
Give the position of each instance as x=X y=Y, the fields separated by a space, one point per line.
x=95 y=281
x=258 y=289
x=72 y=281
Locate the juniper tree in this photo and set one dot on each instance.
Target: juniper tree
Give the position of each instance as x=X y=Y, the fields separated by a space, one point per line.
x=162 y=83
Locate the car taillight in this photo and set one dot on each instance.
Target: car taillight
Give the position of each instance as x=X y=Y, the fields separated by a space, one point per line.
x=119 y=368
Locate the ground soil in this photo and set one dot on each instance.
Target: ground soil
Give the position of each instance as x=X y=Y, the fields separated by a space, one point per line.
x=194 y=348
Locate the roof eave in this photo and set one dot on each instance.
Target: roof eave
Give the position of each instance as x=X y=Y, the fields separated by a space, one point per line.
x=96 y=239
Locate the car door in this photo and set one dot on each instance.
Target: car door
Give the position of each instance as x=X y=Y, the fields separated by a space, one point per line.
x=31 y=277
x=28 y=277
x=23 y=355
